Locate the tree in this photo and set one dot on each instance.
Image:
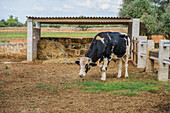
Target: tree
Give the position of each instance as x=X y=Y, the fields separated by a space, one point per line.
x=151 y=12
x=165 y=23
x=3 y=23
x=13 y=22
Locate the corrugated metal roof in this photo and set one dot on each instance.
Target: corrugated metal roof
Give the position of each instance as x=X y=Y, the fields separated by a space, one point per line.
x=34 y=17
x=81 y=20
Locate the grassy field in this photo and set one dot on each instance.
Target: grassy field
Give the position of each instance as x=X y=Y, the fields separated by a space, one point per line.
x=21 y=35
x=121 y=88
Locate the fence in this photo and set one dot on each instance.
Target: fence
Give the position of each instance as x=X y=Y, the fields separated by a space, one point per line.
x=13 y=50
x=146 y=57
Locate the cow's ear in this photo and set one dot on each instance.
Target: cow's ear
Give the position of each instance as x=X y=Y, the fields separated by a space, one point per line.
x=77 y=62
x=92 y=64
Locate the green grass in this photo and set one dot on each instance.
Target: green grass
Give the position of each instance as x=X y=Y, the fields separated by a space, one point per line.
x=47 y=86
x=6 y=67
x=7 y=73
x=27 y=90
x=21 y=35
x=54 y=91
x=13 y=34
x=2 y=92
x=121 y=88
x=32 y=107
x=126 y=93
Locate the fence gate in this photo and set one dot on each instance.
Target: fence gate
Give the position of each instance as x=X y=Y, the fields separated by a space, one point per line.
x=134 y=53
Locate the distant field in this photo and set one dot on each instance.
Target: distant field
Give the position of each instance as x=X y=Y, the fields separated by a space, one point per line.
x=68 y=34
x=21 y=35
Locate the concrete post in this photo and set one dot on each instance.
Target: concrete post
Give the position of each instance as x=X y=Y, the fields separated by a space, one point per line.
x=38 y=26
x=150 y=62
x=163 y=68
x=135 y=28
x=29 y=40
x=142 y=51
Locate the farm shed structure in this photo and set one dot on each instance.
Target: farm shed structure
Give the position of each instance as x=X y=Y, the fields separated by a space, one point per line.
x=33 y=34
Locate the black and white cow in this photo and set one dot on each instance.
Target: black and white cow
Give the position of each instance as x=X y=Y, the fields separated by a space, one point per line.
x=103 y=46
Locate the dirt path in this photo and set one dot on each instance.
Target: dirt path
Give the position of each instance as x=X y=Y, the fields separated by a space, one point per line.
x=39 y=88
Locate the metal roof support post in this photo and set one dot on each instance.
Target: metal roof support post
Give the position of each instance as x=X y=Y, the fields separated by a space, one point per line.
x=29 y=40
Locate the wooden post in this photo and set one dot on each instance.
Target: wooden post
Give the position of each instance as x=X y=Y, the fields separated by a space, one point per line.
x=150 y=62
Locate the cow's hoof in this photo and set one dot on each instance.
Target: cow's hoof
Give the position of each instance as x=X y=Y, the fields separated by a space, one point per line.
x=126 y=77
x=118 y=77
x=102 y=79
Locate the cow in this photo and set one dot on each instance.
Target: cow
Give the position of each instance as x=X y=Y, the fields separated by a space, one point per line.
x=103 y=46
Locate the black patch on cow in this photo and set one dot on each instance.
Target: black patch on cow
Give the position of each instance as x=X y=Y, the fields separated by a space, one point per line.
x=92 y=64
x=77 y=62
x=87 y=68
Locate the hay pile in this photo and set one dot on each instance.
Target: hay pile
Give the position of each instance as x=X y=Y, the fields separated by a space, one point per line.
x=47 y=49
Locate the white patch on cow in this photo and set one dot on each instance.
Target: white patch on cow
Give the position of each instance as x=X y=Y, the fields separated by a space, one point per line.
x=103 y=78
x=109 y=37
x=112 y=49
x=98 y=63
x=119 y=68
x=127 y=57
x=99 y=38
x=124 y=33
x=114 y=57
x=83 y=62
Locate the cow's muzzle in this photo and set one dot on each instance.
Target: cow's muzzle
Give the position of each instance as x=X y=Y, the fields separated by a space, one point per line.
x=81 y=75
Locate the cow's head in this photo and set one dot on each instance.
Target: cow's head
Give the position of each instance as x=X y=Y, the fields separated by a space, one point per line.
x=84 y=64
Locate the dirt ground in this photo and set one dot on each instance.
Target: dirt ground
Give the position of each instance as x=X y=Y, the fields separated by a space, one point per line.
x=38 y=88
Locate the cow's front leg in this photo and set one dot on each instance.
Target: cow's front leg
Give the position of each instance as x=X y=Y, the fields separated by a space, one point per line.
x=120 y=68
x=104 y=69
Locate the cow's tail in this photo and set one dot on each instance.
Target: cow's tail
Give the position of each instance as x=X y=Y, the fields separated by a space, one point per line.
x=129 y=40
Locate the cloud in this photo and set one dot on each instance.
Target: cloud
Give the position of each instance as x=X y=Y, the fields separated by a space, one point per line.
x=87 y=3
x=105 y=6
x=103 y=0
x=67 y=6
x=57 y=9
x=8 y=8
x=38 y=8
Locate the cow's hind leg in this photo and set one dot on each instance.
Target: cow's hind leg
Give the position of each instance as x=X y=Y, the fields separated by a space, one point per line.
x=104 y=69
x=120 y=68
x=126 y=66
x=126 y=60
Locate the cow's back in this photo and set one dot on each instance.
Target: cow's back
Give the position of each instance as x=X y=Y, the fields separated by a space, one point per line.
x=106 y=43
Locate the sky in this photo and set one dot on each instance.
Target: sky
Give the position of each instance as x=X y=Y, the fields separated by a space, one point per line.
x=58 y=8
